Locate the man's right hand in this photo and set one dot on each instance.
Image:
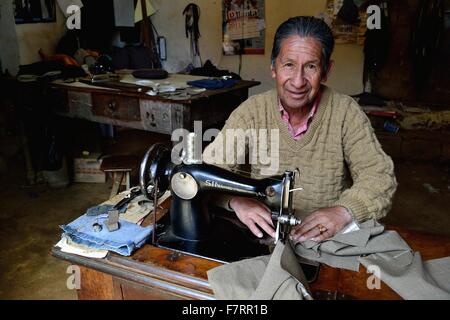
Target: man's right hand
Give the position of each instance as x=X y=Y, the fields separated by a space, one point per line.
x=254 y=214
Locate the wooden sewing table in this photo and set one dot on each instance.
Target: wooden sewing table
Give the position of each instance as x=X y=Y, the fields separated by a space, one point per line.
x=158 y=273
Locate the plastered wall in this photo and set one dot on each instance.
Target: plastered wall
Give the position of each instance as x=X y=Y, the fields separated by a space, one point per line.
x=33 y=36
x=169 y=21
x=9 y=48
x=346 y=76
x=20 y=43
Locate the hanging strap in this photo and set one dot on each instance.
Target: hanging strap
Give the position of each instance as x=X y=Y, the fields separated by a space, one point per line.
x=148 y=37
x=192 y=16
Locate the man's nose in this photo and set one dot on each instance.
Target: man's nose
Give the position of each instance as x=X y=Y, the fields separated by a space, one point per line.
x=298 y=78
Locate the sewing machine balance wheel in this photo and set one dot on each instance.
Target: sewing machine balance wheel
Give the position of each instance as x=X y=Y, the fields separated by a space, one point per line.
x=155 y=167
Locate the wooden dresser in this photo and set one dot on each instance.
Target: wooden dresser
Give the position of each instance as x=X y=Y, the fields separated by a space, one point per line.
x=127 y=107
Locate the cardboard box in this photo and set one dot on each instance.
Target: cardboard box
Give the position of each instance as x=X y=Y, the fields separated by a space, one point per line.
x=87 y=169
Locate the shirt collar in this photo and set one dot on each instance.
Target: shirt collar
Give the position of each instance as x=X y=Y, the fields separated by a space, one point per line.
x=285 y=114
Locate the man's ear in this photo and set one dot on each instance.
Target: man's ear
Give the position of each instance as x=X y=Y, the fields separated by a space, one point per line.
x=327 y=74
x=272 y=70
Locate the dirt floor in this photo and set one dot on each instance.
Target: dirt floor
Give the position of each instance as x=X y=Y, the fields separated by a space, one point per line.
x=29 y=227
x=30 y=216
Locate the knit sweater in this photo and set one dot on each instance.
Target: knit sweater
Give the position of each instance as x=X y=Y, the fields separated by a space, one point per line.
x=339 y=144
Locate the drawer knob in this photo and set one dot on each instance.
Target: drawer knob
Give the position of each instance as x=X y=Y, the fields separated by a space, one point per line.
x=112 y=105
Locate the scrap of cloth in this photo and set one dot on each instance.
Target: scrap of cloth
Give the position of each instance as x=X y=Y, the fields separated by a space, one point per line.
x=400 y=268
x=271 y=277
x=124 y=241
x=212 y=83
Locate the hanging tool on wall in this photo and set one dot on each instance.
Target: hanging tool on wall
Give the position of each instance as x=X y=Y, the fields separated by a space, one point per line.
x=192 y=17
x=148 y=38
x=349 y=12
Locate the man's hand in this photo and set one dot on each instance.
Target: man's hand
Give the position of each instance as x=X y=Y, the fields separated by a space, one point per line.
x=321 y=224
x=253 y=213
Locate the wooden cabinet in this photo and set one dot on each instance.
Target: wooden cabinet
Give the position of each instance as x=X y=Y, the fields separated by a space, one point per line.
x=135 y=109
x=158 y=273
x=151 y=273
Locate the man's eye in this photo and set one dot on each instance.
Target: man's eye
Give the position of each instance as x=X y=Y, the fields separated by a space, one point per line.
x=289 y=65
x=312 y=66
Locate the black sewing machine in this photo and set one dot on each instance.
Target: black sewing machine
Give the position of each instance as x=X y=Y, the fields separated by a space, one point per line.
x=198 y=228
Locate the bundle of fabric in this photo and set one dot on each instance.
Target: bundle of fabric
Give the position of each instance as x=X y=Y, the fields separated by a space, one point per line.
x=90 y=230
x=278 y=277
x=212 y=83
x=150 y=74
x=210 y=70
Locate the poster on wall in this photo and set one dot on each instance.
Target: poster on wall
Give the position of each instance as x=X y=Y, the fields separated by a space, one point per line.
x=33 y=11
x=243 y=27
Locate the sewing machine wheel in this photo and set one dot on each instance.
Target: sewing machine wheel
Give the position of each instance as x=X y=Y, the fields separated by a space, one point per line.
x=154 y=167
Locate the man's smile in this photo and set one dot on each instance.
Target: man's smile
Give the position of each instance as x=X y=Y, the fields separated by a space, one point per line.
x=297 y=94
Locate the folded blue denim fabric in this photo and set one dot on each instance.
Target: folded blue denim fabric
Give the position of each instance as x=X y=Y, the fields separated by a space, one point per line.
x=124 y=241
x=212 y=83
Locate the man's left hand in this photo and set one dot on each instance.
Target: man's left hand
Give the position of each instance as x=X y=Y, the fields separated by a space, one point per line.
x=321 y=224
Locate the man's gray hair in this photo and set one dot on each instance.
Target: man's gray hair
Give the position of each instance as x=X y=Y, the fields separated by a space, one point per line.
x=305 y=26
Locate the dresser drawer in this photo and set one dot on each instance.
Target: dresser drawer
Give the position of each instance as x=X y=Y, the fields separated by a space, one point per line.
x=116 y=107
x=156 y=116
x=80 y=104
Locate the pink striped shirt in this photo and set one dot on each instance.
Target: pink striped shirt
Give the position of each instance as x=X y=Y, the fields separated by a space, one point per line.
x=302 y=127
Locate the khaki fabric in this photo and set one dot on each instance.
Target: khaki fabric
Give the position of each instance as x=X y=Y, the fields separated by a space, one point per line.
x=400 y=268
x=344 y=250
x=429 y=280
x=277 y=276
x=271 y=277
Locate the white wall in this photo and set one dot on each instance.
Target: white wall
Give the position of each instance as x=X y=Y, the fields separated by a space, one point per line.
x=346 y=76
x=9 y=50
x=20 y=43
x=169 y=21
x=34 y=36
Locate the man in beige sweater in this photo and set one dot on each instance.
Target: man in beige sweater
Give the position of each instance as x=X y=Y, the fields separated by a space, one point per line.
x=311 y=127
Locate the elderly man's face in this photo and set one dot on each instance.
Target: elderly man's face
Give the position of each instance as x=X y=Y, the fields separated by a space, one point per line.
x=297 y=71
